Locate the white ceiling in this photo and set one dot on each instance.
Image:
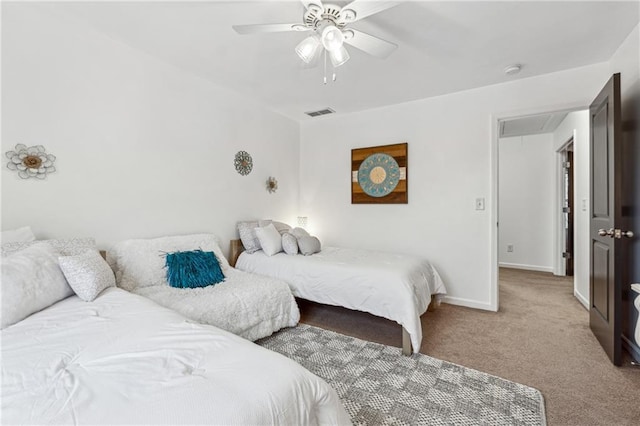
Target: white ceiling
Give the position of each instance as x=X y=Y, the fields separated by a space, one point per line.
x=444 y=47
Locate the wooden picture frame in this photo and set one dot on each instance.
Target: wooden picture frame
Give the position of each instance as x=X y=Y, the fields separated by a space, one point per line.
x=379 y=174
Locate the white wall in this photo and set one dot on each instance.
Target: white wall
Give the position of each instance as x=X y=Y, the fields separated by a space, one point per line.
x=576 y=126
x=143 y=149
x=450 y=164
x=526 y=193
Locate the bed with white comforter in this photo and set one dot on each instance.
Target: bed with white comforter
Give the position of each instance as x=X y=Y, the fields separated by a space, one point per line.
x=248 y=305
x=394 y=286
x=123 y=359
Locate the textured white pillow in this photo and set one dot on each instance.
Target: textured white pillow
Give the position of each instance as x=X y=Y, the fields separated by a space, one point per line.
x=299 y=232
x=309 y=245
x=68 y=247
x=87 y=274
x=289 y=243
x=31 y=281
x=248 y=236
x=20 y=235
x=141 y=263
x=270 y=239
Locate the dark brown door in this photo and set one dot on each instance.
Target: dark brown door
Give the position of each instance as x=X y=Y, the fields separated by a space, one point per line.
x=605 y=287
x=568 y=211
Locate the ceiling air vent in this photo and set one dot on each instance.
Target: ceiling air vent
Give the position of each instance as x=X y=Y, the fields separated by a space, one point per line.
x=320 y=112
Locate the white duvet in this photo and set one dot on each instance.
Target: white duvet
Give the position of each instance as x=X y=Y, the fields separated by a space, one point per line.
x=122 y=359
x=393 y=286
x=249 y=305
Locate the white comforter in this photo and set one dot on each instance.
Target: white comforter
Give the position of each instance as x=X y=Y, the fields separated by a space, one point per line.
x=393 y=286
x=249 y=305
x=122 y=359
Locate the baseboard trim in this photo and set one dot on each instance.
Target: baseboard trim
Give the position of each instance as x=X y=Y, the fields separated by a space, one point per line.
x=581 y=299
x=526 y=267
x=633 y=349
x=469 y=303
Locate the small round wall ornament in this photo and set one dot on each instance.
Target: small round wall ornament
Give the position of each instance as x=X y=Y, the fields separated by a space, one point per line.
x=243 y=163
x=30 y=162
x=272 y=185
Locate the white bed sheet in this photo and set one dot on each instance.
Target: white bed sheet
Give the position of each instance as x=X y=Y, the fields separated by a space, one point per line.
x=393 y=286
x=122 y=359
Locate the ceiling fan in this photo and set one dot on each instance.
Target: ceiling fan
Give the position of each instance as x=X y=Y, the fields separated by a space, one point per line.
x=329 y=26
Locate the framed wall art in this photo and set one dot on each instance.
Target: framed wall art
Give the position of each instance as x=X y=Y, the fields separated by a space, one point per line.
x=379 y=175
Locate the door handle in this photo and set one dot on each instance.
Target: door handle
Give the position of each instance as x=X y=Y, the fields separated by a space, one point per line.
x=606 y=233
x=619 y=233
x=615 y=233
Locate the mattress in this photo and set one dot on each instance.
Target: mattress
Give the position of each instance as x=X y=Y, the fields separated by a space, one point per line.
x=394 y=286
x=249 y=305
x=123 y=359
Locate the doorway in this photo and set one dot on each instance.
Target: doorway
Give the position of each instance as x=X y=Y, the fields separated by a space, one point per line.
x=568 y=210
x=557 y=221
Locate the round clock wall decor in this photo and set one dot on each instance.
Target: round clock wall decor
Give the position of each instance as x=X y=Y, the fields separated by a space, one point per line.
x=243 y=163
x=378 y=175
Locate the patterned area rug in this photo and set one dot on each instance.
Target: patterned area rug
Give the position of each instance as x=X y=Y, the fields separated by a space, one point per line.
x=380 y=386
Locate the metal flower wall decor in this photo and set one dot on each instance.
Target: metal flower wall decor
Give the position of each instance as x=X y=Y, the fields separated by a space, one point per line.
x=243 y=163
x=272 y=185
x=31 y=162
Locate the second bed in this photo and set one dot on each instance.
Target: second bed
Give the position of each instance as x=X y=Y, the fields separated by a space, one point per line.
x=393 y=286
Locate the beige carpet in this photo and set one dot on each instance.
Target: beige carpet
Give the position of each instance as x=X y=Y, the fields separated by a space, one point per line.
x=540 y=337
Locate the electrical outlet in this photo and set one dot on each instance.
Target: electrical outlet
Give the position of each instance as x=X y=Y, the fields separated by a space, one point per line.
x=510 y=248
x=479 y=203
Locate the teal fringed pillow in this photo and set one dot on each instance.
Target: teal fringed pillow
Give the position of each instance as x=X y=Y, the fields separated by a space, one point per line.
x=192 y=269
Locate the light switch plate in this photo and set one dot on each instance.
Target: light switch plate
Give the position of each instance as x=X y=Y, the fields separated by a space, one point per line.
x=479 y=203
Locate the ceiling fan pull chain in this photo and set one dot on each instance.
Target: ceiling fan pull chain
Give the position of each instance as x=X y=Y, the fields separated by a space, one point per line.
x=325 y=67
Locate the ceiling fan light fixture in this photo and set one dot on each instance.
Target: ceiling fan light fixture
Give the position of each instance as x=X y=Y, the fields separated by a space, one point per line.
x=338 y=56
x=307 y=49
x=332 y=38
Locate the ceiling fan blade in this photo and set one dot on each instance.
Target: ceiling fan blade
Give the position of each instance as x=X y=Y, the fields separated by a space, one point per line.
x=268 y=28
x=307 y=3
x=369 y=44
x=364 y=8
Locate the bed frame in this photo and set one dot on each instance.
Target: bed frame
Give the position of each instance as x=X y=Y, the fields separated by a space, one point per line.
x=236 y=248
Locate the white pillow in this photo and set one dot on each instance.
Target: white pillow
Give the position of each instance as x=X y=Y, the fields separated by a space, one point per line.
x=87 y=274
x=280 y=226
x=248 y=236
x=309 y=245
x=31 y=281
x=299 y=232
x=20 y=235
x=270 y=239
x=289 y=243
x=141 y=263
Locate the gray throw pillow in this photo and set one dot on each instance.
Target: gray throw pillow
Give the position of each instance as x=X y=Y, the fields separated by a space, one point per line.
x=289 y=243
x=88 y=274
x=248 y=236
x=309 y=245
